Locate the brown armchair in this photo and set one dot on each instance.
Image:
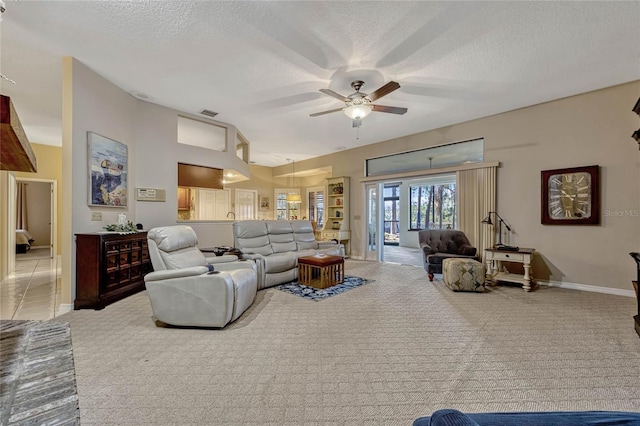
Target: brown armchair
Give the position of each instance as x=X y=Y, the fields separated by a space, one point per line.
x=440 y=244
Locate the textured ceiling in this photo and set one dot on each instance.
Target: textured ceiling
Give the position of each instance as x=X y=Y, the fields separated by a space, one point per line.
x=260 y=64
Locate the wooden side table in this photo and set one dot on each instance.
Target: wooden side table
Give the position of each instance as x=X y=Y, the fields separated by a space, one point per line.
x=321 y=270
x=523 y=256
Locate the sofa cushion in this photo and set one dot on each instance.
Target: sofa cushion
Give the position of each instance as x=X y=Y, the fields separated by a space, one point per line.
x=177 y=246
x=437 y=258
x=467 y=250
x=311 y=245
x=305 y=253
x=170 y=238
x=280 y=262
x=251 y=236
x=449 y=417
x=280 y=236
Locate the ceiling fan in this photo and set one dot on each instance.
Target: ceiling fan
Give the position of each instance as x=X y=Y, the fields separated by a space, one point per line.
x=359 y=104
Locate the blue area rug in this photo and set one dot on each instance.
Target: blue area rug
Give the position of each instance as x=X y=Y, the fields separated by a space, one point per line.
x=317 y=294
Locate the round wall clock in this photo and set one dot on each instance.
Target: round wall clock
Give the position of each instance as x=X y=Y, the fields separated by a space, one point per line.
x=571 y=196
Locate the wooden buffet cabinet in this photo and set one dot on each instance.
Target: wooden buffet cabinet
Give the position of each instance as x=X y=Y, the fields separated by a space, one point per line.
x=109 y=266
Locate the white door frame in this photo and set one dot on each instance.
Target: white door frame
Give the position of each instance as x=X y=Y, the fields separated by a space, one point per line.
x=53 y=217
x=377 y=254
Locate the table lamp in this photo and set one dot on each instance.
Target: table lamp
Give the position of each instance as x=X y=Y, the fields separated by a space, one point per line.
x=487 y=220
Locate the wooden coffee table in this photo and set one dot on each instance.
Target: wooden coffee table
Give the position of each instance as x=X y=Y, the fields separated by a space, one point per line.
x=321 y=270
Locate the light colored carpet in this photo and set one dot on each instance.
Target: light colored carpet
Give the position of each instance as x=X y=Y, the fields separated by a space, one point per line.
x=383 y=353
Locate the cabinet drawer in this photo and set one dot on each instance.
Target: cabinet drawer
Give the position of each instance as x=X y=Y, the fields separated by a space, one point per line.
x=112 y=279
x=125 y=245
x=125 y=275
x=508 y=257
x=136 y=256
x=112 y=261
x=124 y=259
x=136 y=272
x=329 y=235
x=112 y=247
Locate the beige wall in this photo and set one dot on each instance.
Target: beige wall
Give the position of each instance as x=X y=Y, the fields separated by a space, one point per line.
x=261 y=181
x=592 y=128
x=50 y=168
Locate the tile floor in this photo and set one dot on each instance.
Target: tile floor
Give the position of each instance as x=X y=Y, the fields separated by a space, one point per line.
x=403 y=255
x=33 y=290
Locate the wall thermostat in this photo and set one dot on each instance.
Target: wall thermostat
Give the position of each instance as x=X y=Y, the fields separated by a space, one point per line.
x=150 y=194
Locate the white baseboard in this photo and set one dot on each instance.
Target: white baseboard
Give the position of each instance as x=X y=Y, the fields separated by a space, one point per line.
x=587 y=287
x=64 y=308
x=573 y=286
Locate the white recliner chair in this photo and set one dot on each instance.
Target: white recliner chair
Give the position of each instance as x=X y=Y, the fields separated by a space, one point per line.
x=182 y=289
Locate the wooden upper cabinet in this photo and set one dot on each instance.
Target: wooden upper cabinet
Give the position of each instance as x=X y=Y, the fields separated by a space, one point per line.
x=16 y=153
x=184 y=201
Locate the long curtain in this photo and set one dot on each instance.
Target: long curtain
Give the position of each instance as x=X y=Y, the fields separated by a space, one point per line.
x=477 y=197
x=21 y=206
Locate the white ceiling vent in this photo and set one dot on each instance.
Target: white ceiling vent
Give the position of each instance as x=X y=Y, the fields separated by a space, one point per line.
x=208 y=113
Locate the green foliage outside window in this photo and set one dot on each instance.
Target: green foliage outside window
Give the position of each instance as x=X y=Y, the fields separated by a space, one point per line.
x=432 y=206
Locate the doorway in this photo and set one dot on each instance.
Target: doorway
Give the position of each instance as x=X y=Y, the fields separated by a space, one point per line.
x=385 y=219
x=392 y=214
x=35 y=218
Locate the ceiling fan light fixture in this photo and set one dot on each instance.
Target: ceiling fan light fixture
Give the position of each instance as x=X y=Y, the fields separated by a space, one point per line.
x=357 y=112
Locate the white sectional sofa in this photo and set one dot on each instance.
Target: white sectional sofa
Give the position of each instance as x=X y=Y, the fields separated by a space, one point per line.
x=276 y=245
x=182 y=289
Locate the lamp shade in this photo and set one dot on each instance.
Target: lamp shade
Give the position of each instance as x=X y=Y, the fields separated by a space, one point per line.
x=487 y=220
x=294 y=198
x=356 y=112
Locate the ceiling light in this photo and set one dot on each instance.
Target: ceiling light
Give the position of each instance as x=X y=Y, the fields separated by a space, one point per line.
x=293 y=197
x=357 y=112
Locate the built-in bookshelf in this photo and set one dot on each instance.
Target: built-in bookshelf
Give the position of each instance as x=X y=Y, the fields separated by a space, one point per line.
x=336 y=223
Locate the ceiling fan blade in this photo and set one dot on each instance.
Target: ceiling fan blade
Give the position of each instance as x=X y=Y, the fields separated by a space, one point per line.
x=390 y=109
x=315 y=114
x=334 y=94
x=384 y=90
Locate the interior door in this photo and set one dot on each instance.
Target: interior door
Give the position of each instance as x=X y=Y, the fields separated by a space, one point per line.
x=206 y=204
x=372 y=223
x=246 y=204
x=223 y=203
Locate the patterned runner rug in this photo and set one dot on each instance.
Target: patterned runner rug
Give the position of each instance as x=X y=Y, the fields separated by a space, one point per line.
x=317 y=294
x=37 y=374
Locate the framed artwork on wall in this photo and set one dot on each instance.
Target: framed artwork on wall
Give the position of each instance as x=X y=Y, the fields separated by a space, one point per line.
x=107 y=171
x=571 y=196
x=264 y=203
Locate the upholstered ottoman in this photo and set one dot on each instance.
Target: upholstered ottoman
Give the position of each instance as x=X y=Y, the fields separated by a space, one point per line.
x=463 y=274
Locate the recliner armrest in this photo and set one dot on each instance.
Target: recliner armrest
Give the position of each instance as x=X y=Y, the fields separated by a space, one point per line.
x=232 y=266
x=326 y=244
x=426 y=249
x=222 y=259
x=175 y=273
x=467 y=250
